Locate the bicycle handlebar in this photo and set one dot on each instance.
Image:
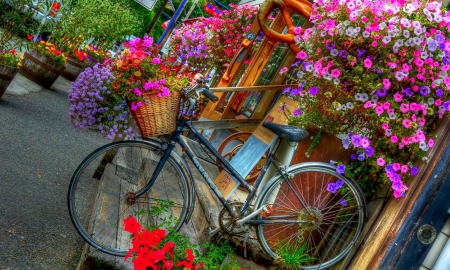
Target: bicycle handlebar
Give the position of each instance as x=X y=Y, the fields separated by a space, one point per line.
x=209 y=94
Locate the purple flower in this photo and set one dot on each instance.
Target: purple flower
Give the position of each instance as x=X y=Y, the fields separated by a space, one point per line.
x=439 y=92
x=352 y=156
x=356 y=140
x=297 y=112
x=345 y=143
x=331 y=187
x=439 y=38
x=381 y=92
x=343 y=202
x=432 y=45
x=408 y=92
x=414 y=170
x=361 y=156
x=314 y=90
x=424 y=90
x=369 y=151
x=339 y=183
x=340 y=168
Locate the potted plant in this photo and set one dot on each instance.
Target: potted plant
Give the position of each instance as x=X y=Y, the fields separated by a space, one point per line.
x=14 y=19
x=43 y=63
x=375 y=74
x=77 y=61
x=107 y=97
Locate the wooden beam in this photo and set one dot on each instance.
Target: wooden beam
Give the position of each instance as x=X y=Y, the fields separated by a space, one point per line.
x=252 y=88
x=226 y=124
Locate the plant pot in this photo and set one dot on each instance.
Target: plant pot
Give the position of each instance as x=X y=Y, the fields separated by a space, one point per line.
x=40 y=68
x=7 y=74
x=73 y=69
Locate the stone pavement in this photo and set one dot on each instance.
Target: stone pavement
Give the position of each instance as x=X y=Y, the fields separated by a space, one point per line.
x=22 y=88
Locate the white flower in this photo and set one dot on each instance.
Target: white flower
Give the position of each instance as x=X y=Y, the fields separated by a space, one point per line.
x=399 y=75
x=323 y=33
x=416 y=41
x=364 y=97
x=395 y=48
x=437 y=18
x=386 y=39
x=430 y=18
x=424 y=55
x=416 y=24
x=399 y=42
x=334 y=52
x=349 y=105
x=418 y=31
x=357 y=29
x=430 y=101
x=374 y=98
x=426 y=12
x=309 y=68
x=327 y=77
x=366 y=34
x=406 y=33
x=350 y=5
x=300 y=74
x=347 y=23
x=315 y=73
x=336 y=81
x=349 y=32
x=392 y=116
x=358 y=2
x=382 y=25
x=342 y=2
x=405 y=22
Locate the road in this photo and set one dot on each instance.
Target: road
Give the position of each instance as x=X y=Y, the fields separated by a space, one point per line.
x=39 y=151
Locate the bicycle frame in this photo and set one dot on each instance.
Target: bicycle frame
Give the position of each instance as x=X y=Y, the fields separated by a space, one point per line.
x=176 y=138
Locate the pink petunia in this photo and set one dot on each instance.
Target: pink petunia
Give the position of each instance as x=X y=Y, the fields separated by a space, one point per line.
x=379 y=110
x=365 y=142
x=398 y=97
x=386 y=105
x=335 y=73
x=381 y=161
x=406 y=123
x=283 y=70
x=384 y=126
x=438 y=102
x=430 y=143
x=386 y=84
x=302 y=55
x=404 y=108
x=396 y=166
x=404 y=169
x=422 y=121
x=367 y=63
x=394 y=139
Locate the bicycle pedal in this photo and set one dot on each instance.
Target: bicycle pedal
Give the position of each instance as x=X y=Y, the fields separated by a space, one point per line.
x=267 y=211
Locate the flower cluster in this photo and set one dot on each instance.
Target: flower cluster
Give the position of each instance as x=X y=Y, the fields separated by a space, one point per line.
x=150 y=250
x=375 y=72
x=95 y=53
x=48 y=49
x=140 y=69
x=79 y=55
x=94 y=106
x=9 y=58
x=212 y=42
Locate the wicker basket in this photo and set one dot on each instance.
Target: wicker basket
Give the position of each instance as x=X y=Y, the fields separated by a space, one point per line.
x=158 y=116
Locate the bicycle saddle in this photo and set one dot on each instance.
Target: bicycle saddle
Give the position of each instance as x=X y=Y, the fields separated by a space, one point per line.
x=289 y=133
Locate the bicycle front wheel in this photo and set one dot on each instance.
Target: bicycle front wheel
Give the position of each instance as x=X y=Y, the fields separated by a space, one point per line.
x=312 y=219
x=101 y=194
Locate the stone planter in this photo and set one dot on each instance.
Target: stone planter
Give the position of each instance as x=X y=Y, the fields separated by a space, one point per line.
x=73 y=69
x=7 y=74
x=40 y=68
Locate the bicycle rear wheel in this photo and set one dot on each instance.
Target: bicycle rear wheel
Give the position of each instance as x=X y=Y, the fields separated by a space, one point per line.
x=313 y=218
x=101 y=190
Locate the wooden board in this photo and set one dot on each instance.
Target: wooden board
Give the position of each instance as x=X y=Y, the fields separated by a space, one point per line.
x=253 y=149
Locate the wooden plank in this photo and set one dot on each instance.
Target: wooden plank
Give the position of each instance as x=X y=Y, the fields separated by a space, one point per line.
x=225 y=124
x=388 y=224
x=251 y=88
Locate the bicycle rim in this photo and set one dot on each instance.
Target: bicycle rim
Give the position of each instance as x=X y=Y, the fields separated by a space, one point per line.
x=103 y=184
x=317 y=216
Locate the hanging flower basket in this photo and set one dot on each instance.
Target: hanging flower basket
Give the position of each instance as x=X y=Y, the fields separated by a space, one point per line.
x=40 y=68
x=158 y=116
x=7 y=74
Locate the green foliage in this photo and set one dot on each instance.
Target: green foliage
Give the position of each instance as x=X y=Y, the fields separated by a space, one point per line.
x=103 y=22
x=293 y=255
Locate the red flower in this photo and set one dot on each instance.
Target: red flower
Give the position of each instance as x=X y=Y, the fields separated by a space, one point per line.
x=29 y=37
x=131 y=225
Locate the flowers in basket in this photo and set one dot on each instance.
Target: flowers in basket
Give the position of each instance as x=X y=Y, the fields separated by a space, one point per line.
x=49 y=49
x=105 y=97
x=375 y=73
x=10 y=58
x=96 y=54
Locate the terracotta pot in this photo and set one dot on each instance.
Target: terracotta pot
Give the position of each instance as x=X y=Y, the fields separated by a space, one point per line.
x=73 y=69
x=40 y=68
x=7 y=74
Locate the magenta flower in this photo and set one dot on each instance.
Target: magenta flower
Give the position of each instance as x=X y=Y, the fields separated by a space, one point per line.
x=430 y=143
x=335 y=73
x=407 y=123
x=404 y=169
x=367 y=63
x=301 y=55
x=398 y=97
x=381 y=161
x=384 y=126
x=404 y=108
x=365 y=142
x=156 y=60
x=396 y=166
x=394 y=139
x=379 y=110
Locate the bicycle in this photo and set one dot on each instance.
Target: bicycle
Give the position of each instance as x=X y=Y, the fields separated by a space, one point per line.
x=294 y=207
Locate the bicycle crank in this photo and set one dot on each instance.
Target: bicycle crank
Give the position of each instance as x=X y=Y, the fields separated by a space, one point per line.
x=228 y=225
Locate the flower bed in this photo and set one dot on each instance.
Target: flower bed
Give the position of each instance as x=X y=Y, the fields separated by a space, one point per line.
x=376 y=75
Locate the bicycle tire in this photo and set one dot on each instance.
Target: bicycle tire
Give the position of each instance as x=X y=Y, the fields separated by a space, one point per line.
x=332 y=222
x=101 y=187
